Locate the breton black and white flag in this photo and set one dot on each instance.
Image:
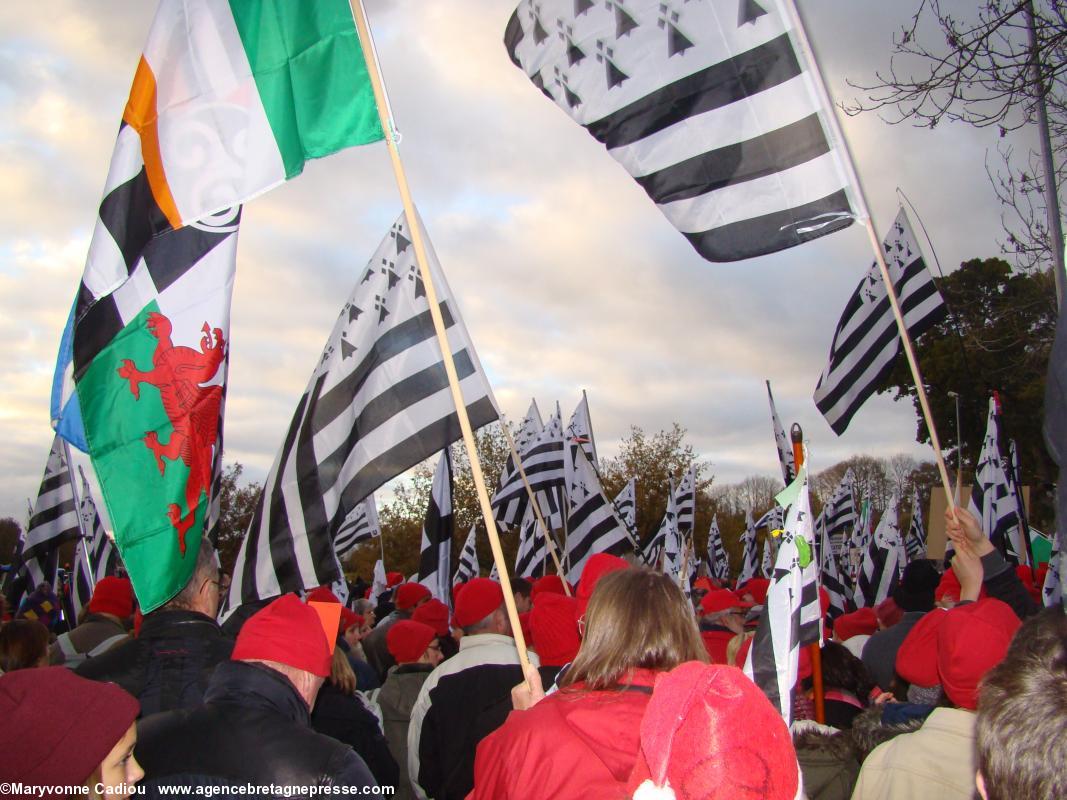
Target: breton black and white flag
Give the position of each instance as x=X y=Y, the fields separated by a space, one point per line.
x=532 y=558
x=867 y=341
x=671 y=537
x=595 y=526
x=766 y=566
x=54 y=521
x=838 y=517
x=509 y=504
x=782 y=442
x=103 y=557
x=749 y=552
x=361 y=525
x=377 y=403
x=626 y=505
x=830 y=575
x=915 y=543
x=791 y=617
x=718 y=562
x=993 y=499
x=713 y=113
x=883 y=561
x=1052 y=593
x=685 y=504
x=468 y=559
x=543 y=463
x=435 y=551
x=579 y=436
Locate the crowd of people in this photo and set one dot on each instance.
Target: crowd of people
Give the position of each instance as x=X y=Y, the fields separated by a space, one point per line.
x=955 y=686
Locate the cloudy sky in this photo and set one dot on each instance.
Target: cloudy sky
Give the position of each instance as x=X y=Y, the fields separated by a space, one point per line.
x=569 y=278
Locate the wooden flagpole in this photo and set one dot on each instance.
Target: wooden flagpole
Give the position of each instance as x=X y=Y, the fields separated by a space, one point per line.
x=549 y=543
x=382 y=104
x=801 y=37
x=797 y=436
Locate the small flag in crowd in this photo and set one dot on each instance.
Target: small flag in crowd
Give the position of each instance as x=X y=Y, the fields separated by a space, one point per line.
x=103 y=559
x=54 y=521
x=791 y=618
x=993 y=500
x=379 y=582
x=377 y=403
x=594 y=525
x=685 y=503
x=468 y=559
x=713 y=115
x=718 y=563
x=766 y=566
x=838 y=517
x=626 y=505
x=509 y=501
x=435 y=552
x=867 y=341
x=830 y=575
x=532 y=556
x=543 y=463
x=361 y=525
x=782 y=442
x=579 y=435
x=915 y=543
x=883 y=561
x=749 y=557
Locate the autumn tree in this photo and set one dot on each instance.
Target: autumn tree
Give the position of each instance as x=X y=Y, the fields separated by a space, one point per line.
x=235 y=513
x=10 y=531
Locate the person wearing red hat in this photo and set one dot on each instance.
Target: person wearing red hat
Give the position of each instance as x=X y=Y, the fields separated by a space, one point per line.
x=103 y=626
x=754 y=590
x=547 y=583
x=722 y=618
x=583 y=741
x=598 y=565
x=554 y=632
x=937 y=761
x=415 y=647
x=253 y=727
x=407 y=597
x=169 y=663
x=465 y=697
x=44 y=744
x=435 y=614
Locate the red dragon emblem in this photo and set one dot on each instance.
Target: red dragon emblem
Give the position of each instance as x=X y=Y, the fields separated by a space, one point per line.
x=192 y=409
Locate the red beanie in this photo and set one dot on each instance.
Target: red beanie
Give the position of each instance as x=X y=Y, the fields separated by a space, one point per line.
x=433 y=613
x=703 y=584
x=549 y=583
x=949 y=585
x=407 y=640
x=554 y=628
x=888 y=612
x=112 y=596
x=43 y=742
x=757 y=587
x=286 y=631
x=720 y=600
x=596 y=568
x=409 y=594
x=861 y=622
x=322 y=594
x=696 y=737
x=973 y=639
x=350 y=618
x=524 y=623
x=393 y=579
x=480 y=598
x=917 y=656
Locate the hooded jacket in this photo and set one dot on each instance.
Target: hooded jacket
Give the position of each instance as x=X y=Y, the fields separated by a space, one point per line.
x=574 y=743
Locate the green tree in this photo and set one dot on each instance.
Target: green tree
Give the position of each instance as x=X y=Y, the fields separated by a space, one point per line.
x=10 y=530
x=235 y=513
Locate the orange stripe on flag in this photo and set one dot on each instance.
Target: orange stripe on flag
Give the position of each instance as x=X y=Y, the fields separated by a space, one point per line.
x=140 y=114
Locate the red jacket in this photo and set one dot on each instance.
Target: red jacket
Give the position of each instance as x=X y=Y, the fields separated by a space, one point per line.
x=573 y=744
x=715 y=642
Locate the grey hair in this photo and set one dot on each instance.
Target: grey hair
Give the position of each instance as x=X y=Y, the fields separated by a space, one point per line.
x=206 y=568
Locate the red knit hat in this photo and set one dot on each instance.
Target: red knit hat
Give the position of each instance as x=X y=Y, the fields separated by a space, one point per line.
x=480 y=598
x=596 y=568
x=861 y=622
x=43 y=742
x=350 y=618
x=286 y=631
x=112 y=596
x=407 y=640
x=703 y=584
x=322 y=594
x=720 y=600
x=888 y=612
x=973 y=638
x=524 y=624
x=435 y=614
x=757 y=587
x=554 y=625
x=393 y=579
x=696 y=739
x=549 y=583
x=917 y=656
x=949 y=585
x=409 y=594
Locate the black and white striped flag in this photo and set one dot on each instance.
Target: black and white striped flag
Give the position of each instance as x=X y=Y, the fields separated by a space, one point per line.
x=915 y=543
x=718 y=563
x=532 y=556
x=830 y=575
x=361 y=525
x=543 y=463
x=54 y=521
x=766 y=566
x=103 y=557
x=749 y=554
x=838 y=517
x=435 y=552
x=993 y=499
x=509 y=505
x=378 y=402
x=595 y=526
x=867 y=341
x=883 y=561
x=712 y=113
x=685 y=504
x=782 y=442
x=1052 y=590
x=579 y=435
x=626 y=505
x=791 y=617
x=668 y=533
x=468 y=559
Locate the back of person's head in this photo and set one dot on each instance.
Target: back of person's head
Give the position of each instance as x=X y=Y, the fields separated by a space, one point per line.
x=1022 y=709
x=972 y=639
x=201 y=591
x=112 y=596
x=23 y=645
x=480 y=608
x=521 y=586
x=636 y=619
x=842 y=670
x=915 y=592
x=554 y=629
